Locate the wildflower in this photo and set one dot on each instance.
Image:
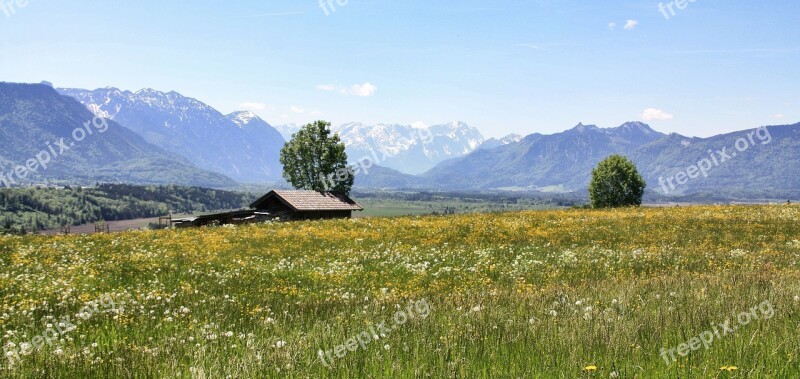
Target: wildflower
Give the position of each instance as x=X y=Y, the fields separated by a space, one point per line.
x=386 y=347
x=796 y=298
x=613 y=374
x=280 y=344
x=728 y=368
x=58 y=352
x=590 y=368
x=553 y=313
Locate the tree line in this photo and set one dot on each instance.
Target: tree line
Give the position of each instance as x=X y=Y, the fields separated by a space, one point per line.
x=24 y=210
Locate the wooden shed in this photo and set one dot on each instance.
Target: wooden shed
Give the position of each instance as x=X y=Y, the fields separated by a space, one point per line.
x=306 y=205
x=281 y=205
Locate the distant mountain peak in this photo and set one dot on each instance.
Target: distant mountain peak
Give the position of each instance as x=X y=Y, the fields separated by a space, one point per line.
x=580 y=128
x=243 y=118
x=637 y=125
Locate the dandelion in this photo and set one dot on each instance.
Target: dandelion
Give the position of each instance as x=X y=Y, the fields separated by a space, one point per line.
x=386 y=347
x=728 y=368
x=591 y=368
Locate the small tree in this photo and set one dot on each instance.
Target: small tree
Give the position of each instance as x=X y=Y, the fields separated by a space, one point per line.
x=315 y=160
x=616 y=183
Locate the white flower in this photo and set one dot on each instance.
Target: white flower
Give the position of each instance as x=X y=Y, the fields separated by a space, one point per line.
x=553 y=313
x=613 y=374
x=386 y=347
x=280 y=344
x=94 y=345
x=25 y=348
x=477 y=308
x=58 y=352
x=228 y=334
x=796 y=298
x=270 y=320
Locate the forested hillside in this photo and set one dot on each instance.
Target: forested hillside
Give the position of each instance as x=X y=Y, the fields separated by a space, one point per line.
x=32 y=209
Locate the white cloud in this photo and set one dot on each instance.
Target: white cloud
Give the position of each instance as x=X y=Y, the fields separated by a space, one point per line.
x=779 y=115
x=253 y=106
x=419 y=125
x=612 y=25
x=653 y=114
x=366 y=89
x=296 y=109
x=630 y=24
x=315 y=113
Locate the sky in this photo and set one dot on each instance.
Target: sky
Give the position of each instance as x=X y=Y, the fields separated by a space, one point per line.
x=698 y=68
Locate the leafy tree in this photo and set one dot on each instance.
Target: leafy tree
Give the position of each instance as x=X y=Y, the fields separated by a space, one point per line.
x=315 y=160
x=616 y=183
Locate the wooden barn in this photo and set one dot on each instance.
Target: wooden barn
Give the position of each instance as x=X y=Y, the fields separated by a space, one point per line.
x=282 y=205
x=306 y=205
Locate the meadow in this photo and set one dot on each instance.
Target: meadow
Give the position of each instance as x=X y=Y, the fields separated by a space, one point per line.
x=529 y=294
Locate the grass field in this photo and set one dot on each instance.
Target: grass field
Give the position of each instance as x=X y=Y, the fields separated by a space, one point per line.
x=550 y=294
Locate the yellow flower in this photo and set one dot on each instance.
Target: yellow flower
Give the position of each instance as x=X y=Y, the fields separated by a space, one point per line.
x=590 y=368
x=728 y=368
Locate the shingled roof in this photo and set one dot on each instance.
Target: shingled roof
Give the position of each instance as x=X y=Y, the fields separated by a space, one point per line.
x=311 y=201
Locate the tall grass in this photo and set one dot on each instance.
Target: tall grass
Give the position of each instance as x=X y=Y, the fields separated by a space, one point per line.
x=550 y=294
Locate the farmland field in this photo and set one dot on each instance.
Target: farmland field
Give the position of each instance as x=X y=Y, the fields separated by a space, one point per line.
x=559 y=293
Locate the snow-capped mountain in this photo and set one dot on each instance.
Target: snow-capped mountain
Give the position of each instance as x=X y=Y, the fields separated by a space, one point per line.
x=491 y=143
x=287 y=130
x=407 y=148
x=239 y=145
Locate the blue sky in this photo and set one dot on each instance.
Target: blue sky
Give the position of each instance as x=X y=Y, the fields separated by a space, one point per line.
x=501 y=66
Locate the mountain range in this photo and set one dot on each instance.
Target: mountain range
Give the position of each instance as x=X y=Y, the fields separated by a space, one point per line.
x=60 y=141
x=158 y=137
x=239 y=145
x=742 y=164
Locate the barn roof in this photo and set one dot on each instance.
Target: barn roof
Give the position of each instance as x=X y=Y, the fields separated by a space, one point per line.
x=311 y=201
